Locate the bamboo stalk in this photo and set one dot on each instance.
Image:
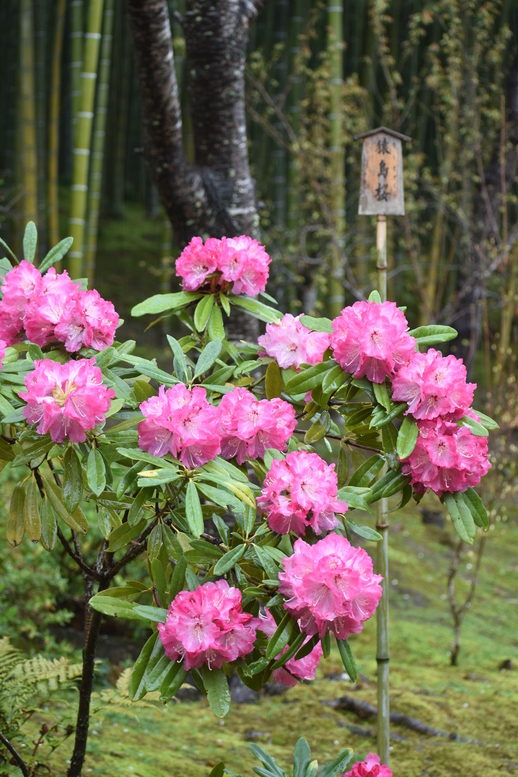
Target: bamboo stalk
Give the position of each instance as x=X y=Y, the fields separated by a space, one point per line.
x=382 y=550
x=337 y=159
x=83 y=137
x=76 y=60
x=28 y=155
x=54 y=105
x=98 y=141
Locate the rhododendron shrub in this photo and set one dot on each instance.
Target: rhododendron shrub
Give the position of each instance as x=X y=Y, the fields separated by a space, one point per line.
x=239 y=471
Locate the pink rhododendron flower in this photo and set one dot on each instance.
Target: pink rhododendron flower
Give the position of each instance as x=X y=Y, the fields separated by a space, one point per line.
x=371 y=767
x=330 y=586
x=207 y=626
x=249 y=426
x=433 y=385
x=55 y=295
x=89 y=320
x=291 y=344
x=370 y=339
x=18 y=286
x=254 y=265
x=238 y=260
x=294 y=669
x=447 y=457
x=181 y=421
x=66 y=400
x=301 y=491
x=3 y=346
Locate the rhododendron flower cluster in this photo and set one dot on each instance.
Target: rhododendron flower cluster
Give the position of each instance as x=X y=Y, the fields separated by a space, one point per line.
x=66 y=400
x=447 y=457
x=433 y=385
x=371 y=340
x=301 y=491
x=241 y=261
x=207 y=626
x=330 y=586
x=295 y=668
x=53 y=307
x=291 y=343
x=249 y=426
x=371 y=767
x=182 y=422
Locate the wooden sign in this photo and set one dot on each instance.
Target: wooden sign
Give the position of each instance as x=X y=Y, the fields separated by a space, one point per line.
x=382 y=190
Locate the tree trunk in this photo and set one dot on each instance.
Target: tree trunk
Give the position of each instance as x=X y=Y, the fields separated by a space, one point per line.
x=215 y=196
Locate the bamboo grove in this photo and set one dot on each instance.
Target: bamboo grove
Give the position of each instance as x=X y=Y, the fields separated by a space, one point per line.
x=319 y=73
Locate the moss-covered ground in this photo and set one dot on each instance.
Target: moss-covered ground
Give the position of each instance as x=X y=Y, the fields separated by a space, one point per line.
x=477 y=701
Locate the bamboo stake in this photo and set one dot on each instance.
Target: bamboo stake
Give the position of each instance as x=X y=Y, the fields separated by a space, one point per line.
x=337 y=162
x=83 y=137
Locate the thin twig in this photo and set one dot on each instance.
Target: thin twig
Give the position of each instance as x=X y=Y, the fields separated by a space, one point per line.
x=20 y=763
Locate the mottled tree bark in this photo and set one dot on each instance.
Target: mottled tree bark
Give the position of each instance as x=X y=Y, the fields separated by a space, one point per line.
x=215 y=195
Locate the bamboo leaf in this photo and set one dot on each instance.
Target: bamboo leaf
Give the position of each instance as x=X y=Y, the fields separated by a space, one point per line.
x=407 y=437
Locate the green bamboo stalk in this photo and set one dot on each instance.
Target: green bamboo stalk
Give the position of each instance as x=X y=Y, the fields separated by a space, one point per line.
x=98 y=141
x=83 y=137
x=53 y=126
x=382 y=552
x=293 y=111
x=28 y=156
x=76 y=60
x=335 y=47
x=118 y=115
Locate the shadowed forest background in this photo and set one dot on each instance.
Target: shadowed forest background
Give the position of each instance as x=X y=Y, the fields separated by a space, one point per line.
x=89 y=156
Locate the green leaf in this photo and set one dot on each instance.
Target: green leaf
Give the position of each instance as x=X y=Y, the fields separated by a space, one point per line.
x=308 y=379
x=382 y=395
x=318 y=429
x=347 y=659
x=338 y=766
x=218 y=693
x=367 y=471
x=461 y=518
x=152 y=648
x=75 y=519
x=95 y=471
x=273 y=382
x=72 y=479
x=48 y=525
x=173 y=681
x=334 y=379
x=272 y=767
x=155 y=614
x=215 y=326
x=478 y=509
x=30 y=241
x=15 y=520
x=55 y=254
x=433 y=333
x=32 y=518
x=193 y=511
x=180 y=362
x=301 y=758
x=407 y=437
x=256 y=309
x=178 y=577
x=364 y=531
x=317 y=324
x=281 y=636
x=207 y=357
x=229 y=560
x=162 y=302
x=486 y=420
x=137 y=509
x=375 y=296
x=202 y=312
x=354 y=496
x=117 y=608
x=474 y=426
x=218 y=770
x=386 y=486
x=123 y=534
x=149 y=368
